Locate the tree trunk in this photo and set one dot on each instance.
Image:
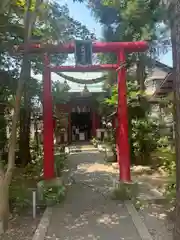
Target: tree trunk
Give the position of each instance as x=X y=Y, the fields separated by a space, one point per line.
x=5 y=178
x=36 y=134
x=24 y=141
x=4 y=206
x=25 y=123
x=175 y=37
x=140 y=74
x=3 y=136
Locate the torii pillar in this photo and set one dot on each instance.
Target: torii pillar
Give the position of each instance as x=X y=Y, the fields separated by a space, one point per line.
x=122 y=143
x=48 y=124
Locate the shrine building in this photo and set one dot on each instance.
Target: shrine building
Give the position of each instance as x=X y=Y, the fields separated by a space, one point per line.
x=77 y=118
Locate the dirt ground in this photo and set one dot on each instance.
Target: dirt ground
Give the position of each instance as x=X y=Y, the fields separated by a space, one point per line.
x=22 y=227
x=157 y=220
x=157 y=216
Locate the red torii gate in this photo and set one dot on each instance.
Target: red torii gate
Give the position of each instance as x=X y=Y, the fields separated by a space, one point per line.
x=119 y=48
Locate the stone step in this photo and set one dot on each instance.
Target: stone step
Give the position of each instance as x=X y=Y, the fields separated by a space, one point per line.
x=86 y=148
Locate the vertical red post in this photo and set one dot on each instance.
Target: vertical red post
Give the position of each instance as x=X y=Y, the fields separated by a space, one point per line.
x=48 y=131
x=123 y=150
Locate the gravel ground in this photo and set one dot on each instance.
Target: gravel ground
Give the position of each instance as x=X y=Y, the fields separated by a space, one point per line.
x=155 y=217
x=88 y=211
x=22 y=227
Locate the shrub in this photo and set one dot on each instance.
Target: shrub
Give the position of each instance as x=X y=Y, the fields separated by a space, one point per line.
x=20 y=197
x=51 y=192
x=54 y=194
x=60 y=163
x=125 y=191
x=144 y=137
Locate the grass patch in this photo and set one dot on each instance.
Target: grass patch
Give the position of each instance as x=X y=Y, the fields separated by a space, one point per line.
x=26 y=179
x=125 y=191
x=51 y=192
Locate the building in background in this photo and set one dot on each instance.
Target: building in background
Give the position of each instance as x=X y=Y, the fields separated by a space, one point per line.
x=159 y=90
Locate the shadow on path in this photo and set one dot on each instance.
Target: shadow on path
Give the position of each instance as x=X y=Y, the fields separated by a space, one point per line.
x=88 y=212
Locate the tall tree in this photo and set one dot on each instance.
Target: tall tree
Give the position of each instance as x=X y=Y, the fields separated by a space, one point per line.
x=30 y=14
x=174 y=17
x=132 y=21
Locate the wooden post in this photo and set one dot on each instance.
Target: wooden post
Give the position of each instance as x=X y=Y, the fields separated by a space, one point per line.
x=123 y=151
x=48 y=130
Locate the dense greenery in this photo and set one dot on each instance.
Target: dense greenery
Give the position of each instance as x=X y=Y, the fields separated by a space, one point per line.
x=127 y=20
x=25 y=179
x=143 y=131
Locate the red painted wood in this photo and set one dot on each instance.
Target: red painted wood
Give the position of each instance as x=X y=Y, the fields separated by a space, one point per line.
x=48 y=131
x=97 y=47
x=123 y=149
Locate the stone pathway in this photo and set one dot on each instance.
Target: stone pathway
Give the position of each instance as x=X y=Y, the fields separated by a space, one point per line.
x=88 y=212
x=155 y=218
x=81 y=148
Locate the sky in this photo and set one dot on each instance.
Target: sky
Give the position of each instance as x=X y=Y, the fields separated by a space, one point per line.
x=81 y=13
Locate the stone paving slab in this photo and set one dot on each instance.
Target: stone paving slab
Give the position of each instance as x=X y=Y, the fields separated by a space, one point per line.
x=155 y=216
x=82 y=148
x=89 y=213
